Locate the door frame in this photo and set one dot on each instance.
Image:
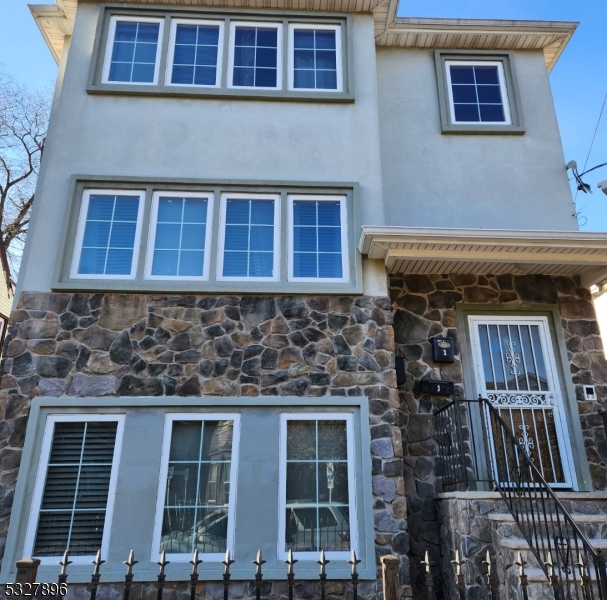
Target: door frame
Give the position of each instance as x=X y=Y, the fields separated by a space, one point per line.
x=582 y=480
x=560 y=417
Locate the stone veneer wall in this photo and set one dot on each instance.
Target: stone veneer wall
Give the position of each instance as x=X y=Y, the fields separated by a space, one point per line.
x=153 y=345
x=424 y=307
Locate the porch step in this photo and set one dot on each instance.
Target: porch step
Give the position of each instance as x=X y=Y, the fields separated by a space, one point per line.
x=577 y=518
x=521 y=544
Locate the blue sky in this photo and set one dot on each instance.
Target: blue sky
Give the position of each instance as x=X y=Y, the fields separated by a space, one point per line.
x=579 y=80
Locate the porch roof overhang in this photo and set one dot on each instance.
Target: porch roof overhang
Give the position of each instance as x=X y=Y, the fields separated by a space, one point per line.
x=411 y=250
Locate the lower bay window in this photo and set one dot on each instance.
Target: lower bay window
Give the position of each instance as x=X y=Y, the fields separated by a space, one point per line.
x=278 y=474
x=208 y=237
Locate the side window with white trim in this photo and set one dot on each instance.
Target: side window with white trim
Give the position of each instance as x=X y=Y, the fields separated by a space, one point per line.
x=73 y=501
x=196 y=502
x=133 y=51
x=317 y=485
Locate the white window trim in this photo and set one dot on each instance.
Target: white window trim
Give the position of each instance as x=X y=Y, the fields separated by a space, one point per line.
x=282 y=486
x=338 y=56
x=503 y=88
x=171 y=52
x=109 y=48
x=166 y=447
x=279 y=67
x=41 y=483
x=152 y=236
x=222 y=227
x=86 y=195
x=344 y=238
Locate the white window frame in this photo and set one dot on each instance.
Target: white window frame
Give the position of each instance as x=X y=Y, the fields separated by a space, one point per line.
x=170 y=418
x=338 y=56
x=279 y=59
x=171 y=52
x=344 y=237
x=282 y=486
x=86 y=196
x=222 y=228
x=503 y=88
x=49 y=432
x=152 y=236
x=109 y=48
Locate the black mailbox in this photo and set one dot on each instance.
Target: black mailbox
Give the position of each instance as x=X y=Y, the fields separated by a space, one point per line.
x=442 y=350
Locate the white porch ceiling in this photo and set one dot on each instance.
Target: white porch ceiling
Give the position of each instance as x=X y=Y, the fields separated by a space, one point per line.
x=424 y=250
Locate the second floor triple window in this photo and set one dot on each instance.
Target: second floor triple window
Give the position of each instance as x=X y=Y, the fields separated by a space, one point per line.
x=195 y=48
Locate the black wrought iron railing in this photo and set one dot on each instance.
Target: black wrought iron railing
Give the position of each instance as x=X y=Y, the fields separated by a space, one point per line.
x=478 y=449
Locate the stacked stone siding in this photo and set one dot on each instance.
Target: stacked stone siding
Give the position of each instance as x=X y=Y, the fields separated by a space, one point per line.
x=209 y=346
x=424 y=307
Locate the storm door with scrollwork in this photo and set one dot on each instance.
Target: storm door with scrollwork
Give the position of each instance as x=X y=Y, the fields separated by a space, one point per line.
x=515 y=370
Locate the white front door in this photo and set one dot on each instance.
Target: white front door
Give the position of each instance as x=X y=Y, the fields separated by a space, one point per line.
x=515 y=370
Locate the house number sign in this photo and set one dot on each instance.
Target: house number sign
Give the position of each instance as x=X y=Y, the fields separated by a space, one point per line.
x=442 y=350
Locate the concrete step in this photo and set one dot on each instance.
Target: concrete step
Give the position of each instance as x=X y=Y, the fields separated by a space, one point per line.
x=577 y=518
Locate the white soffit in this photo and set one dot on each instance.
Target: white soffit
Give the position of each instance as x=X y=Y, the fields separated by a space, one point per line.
x=471 y=34
x=412 y=250
x=57 y=20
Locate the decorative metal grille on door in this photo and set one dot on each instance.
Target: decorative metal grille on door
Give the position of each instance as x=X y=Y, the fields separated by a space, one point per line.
x=515 y=372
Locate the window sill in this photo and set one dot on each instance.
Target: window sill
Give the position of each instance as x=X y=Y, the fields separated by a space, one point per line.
x=220 y=93
x=447 y=129
x=204 y=287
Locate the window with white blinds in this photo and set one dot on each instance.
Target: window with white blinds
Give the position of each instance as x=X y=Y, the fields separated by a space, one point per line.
x=74 y=501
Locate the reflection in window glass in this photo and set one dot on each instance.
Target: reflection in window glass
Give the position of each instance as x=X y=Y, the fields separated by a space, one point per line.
x=195 y=55
x=317 y=499
x=133 y=57
x=198 y=487
x=179 y=244
x=109 y=235
x=249 y=238
x=255 y=57
x=317 y=250
x=477 y=94
x=314 y=59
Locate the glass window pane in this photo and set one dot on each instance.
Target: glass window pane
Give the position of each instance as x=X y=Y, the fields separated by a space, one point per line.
x=120 y=72
x=237 y=211
x=301 y=483
x=305 y=265
x=208 y=35
x=245 y=36
x=182 y=74
x=333 y=482
x=123 y=235
x=119 y=262
x=191 y=264
x=205 y=76
x=235 y=264
x=237 y=237
x=330 y=266
x=303 y=38
x=265 y=57
x=262 y=212
x=97 y=234
x=466 y=112
x=461 y=74
x=304 y=213
x=244 y=57
x=267 y=37
x=101 y=208
x=206 y=55
x=301 y=440
x=304 y=79
x=125 y=31
x=265 y=77
x=92 y=261
x=492 y=113
x=192 y=237
x=142 y=73
x=486 y=74
x=325 y=59
x=165 y=262
x=332 y=442
x=167 y=236
x=123 y=52
x=169 y=210
x=244 y=77
x=217 y=440
x=325 y=40
x=326 y=80
x=185 y=441
x=186 y=34
x=126 y=208
x=329 y=239
x=464 y=93
x=261 y=264
x=329 y=213
x=145 y=53
x=184 y=55
x=304 y=59
x=262 y=238
x=148 y=32
x=490 y=94
x=304 y=239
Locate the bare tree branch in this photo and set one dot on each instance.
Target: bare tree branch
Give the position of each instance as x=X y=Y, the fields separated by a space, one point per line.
x=23 y=125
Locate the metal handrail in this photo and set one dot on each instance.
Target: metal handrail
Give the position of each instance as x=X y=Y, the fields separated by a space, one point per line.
x=574 y=568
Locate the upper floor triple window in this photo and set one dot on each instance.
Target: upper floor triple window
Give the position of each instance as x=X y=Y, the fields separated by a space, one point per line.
x=253 y=49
